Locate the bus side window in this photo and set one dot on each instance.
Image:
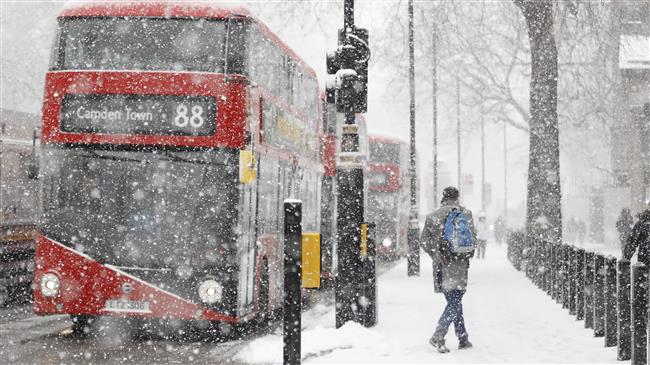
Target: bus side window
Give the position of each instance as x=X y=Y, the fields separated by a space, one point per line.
x=284 y=193
x=268 y=194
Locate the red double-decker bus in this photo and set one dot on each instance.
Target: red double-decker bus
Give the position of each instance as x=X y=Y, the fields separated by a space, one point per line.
x=172 y=133
x=388 y=200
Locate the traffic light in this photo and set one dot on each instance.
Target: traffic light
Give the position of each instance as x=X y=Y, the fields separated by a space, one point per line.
x=349 y=64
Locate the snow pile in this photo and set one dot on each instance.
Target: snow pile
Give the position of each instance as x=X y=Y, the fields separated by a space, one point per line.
x=319 y=338
x=317 y=342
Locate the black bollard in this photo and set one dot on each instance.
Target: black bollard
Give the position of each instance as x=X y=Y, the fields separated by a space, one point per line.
x=572 y=280
x=549 y=271
x=580 y=284
x=521 y=264
x=558 y=273
x=292 y=291
x=559 y=276
x=531 y=260
x=535 y=267
x=599 y=295
x=623 y=294
x=565 y=276
x=589 y=290
x=541 y=261
x=610 y=302
x=555 y=265
x=543 y=273
x=639 y=318
x=547 y=268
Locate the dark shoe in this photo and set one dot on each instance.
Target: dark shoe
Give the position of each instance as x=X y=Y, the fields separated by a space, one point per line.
x=464 y=344
x=439 y=344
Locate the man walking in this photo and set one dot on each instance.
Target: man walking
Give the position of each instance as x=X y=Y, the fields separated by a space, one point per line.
x=450 y=262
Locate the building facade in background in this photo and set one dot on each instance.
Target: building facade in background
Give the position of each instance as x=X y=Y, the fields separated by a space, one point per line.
x=601 y=96
x=633 y=138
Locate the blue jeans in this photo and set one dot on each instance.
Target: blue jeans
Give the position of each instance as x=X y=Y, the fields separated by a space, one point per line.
x=453 y=313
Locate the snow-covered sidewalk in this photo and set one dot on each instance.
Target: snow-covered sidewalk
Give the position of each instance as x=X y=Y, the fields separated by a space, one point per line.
x=509 y=320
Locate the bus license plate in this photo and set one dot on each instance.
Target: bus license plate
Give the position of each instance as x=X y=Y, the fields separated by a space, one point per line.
x=122 y=305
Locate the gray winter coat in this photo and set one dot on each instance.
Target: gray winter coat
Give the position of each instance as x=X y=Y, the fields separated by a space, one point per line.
x=454 y=267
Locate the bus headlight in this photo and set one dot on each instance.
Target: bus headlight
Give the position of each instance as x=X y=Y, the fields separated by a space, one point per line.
x=50 y=285
x=210 y=291
x=387 y=242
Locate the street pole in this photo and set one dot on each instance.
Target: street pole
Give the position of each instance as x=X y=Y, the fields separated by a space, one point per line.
x=637 y=167
x=460 y=187
x=505 y=176
x=482 y=162
x=348 y=14
x=349 y=172
x=413 y=264
x=2 y=213
x=435 y=119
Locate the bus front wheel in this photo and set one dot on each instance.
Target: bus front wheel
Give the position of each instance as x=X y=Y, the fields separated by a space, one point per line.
x=82 y=325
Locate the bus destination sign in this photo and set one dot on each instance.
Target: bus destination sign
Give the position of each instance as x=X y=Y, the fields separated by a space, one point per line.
x=139 y=114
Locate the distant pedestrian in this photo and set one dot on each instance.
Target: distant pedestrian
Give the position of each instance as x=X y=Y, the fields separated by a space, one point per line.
x=639 y=239
x=624 y=226
x=449 y=238
x=571 y=230
x=481 y=236
x=581 y=229
x=499 y=230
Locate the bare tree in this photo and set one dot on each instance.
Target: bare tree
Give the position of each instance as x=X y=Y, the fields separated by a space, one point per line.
x=544 y=214
x=491 y=46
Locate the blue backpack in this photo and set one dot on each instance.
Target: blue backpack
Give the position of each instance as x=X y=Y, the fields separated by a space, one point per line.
x=458 y=233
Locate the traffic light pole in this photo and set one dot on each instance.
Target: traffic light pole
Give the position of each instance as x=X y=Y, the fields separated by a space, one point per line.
x=350 y=65
x=348 y=14
x=350 y=213
x=413 y=254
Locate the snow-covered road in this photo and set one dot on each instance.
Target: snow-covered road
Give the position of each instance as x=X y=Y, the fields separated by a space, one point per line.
x=509 y=321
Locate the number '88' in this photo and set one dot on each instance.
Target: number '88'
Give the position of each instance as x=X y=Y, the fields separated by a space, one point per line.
x=182 y=119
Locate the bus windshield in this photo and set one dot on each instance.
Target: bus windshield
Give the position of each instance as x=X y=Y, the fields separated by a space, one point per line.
x=131 y=43
x=383 y=208
x=150 y=209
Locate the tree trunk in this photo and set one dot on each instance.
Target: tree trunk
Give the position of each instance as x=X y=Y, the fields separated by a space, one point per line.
x=544 y=216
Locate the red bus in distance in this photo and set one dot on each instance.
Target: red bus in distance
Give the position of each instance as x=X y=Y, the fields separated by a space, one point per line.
x=388 y=200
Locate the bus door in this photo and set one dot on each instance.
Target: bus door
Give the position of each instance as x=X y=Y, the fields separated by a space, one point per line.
x=249 y=165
